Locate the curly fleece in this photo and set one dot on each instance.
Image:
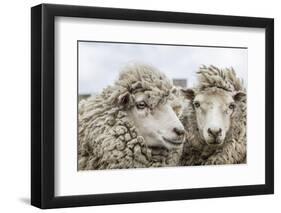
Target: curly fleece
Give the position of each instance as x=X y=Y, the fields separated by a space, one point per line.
x=108 y=138
x=233 y=151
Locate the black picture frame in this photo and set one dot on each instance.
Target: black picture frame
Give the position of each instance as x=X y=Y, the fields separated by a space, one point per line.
x=43 y=105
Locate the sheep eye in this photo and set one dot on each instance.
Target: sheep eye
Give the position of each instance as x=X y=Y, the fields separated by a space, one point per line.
x=231 y=106
x=141 y=105
x=196 y=104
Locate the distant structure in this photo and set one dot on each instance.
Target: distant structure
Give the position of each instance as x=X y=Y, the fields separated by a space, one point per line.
x=84 y=96
x=180 y=82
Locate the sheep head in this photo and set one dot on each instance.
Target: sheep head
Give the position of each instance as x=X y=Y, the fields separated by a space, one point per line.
x=214 y=103
x=145 y=94
x=214 y=109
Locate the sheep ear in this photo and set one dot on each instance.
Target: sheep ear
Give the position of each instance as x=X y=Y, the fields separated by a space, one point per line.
x=124 y=99
x=238 y=96
x=188 y=93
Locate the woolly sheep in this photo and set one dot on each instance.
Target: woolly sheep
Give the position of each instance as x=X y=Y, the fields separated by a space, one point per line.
x=215 y=119
x=179 y=101
x=130 y=124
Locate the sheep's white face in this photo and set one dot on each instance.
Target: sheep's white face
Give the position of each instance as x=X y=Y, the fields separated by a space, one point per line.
x=160 y=127
x=214 y=109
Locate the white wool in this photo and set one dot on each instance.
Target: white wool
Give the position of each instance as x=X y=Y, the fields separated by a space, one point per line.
x=108 y=139
x=196 y=151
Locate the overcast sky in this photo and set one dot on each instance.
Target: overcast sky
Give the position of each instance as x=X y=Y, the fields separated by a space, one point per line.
x=99 y=63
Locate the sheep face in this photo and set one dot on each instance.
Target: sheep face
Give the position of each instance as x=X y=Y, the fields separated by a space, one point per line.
x=159 y=126
x=214 y=109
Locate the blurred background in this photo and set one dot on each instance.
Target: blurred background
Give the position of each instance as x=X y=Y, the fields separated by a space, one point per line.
x=100 y=62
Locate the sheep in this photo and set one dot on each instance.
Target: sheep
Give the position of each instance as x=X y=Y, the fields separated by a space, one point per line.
x=215 y=119
x=179 y=101
x=130 y=124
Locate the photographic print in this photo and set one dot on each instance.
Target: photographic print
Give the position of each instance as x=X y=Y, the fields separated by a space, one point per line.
x=131 y=106
x=160 y=105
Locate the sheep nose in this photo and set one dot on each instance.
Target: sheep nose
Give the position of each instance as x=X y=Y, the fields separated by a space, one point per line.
x=178 y=131
x=215 y=132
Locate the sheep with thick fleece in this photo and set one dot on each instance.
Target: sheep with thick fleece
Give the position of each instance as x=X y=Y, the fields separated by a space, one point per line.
x=130 y=124
x=215 y=119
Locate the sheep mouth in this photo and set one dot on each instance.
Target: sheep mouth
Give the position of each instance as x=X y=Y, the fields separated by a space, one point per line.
x=174 y=142
x=215 y=142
